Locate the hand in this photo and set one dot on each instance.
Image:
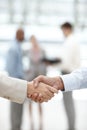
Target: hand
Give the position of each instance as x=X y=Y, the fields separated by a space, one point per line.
x=55 y=82
x=44 y=91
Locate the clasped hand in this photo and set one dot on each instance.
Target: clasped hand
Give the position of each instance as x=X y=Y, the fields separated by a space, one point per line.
x=43 y=88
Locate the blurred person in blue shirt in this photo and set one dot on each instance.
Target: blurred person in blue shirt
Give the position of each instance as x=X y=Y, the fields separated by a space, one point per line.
x=14 y=68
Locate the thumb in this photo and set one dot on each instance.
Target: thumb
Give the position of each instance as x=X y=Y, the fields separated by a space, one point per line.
x=35 y=83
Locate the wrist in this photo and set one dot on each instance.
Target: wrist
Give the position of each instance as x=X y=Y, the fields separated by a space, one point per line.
x=61 y=86
x=59 y=83
x=29 y=88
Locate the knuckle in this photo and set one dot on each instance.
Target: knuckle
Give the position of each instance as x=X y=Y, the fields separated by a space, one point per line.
x=34 y=80
x=41 y=77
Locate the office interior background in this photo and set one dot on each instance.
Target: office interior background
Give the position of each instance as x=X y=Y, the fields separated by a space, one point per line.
x=43 y=19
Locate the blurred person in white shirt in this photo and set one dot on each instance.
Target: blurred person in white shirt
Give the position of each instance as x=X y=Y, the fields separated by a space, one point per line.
x=70 y=57
x=71 y=49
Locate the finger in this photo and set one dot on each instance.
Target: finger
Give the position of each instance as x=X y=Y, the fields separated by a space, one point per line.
x=29 y=96
x=49 y=93
x=35 y=100
x=37 y=80
x=40 y=78
x=44 y=98
x=52 y=89
x=41 y=100
x=39 y=97
x=34 y=96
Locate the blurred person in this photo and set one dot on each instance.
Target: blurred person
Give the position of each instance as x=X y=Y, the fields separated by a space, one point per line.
x=37 y=67
x=14 y=67
x=70 y=61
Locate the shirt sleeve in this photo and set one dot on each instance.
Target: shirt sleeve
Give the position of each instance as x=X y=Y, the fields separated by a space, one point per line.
x=13 y=89
x=75 y=80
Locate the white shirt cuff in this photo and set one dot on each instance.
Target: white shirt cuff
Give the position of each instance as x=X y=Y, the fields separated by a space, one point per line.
x=70 y=82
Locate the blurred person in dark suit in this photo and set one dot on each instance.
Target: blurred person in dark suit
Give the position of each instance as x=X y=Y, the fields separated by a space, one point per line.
x=37 y=67
x=14 y=67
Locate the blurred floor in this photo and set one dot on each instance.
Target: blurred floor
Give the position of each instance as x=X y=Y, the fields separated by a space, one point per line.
x=54 y=117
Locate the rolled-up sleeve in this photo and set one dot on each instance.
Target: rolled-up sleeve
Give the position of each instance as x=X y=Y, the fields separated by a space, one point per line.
x=75 y=80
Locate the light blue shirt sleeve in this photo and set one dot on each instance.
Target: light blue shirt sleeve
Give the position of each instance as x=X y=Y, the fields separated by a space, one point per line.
x=75 y=80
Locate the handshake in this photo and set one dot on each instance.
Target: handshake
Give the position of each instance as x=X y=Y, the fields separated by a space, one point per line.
x=43 y=88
